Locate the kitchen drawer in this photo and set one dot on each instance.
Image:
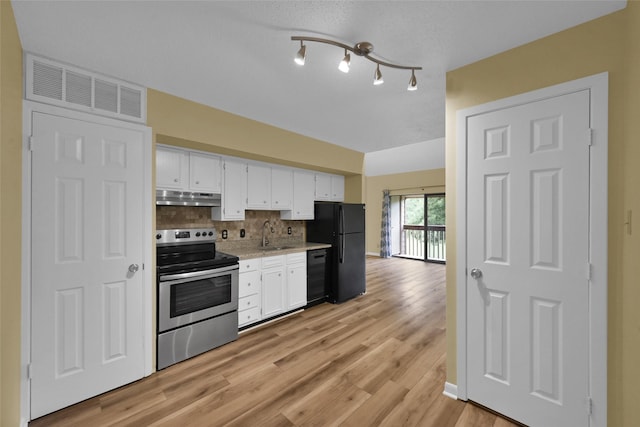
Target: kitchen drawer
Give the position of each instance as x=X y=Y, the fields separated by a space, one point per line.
x=249 y=264
x=296 y=258
x=247 y=303
x=248 y=283
x=272 y=261
x=248 y=316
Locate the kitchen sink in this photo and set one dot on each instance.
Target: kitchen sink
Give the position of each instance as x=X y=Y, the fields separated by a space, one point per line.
x=275 y=248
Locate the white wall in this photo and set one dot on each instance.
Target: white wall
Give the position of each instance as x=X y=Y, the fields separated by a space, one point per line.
x=408 y=158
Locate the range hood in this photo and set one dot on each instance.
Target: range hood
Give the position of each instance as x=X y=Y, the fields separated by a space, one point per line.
x=186 y=198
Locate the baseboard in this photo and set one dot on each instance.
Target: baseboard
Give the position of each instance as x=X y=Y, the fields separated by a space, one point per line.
x=451 y=390
x=373 y=254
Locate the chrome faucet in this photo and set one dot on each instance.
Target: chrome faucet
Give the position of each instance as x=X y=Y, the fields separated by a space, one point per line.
x=265 y=240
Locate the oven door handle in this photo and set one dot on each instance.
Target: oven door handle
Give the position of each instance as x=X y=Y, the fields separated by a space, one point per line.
x=195 y=274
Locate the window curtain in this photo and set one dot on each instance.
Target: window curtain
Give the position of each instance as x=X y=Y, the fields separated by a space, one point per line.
x=385 y=229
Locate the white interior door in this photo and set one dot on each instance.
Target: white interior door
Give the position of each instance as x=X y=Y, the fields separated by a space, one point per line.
x=87 y=230
x=528 y=238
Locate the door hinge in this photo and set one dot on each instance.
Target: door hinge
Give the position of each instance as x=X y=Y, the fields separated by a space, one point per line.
x=30 y=144
x=589 y=403
x=29 y=371
x=589 y=137
x=588 y=271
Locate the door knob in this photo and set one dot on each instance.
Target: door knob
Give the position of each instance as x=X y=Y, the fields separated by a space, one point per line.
x=133 y=268
x=476 y=273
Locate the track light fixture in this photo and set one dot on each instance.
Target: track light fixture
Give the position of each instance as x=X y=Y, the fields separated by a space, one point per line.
x=361 y=49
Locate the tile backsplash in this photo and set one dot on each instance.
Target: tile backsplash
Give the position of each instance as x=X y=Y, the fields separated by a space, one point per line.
x=200 y=217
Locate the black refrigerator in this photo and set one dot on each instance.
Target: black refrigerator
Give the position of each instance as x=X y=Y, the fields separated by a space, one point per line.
x=341 y=225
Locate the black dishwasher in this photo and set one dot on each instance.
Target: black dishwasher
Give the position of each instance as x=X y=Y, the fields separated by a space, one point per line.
x=317 y=276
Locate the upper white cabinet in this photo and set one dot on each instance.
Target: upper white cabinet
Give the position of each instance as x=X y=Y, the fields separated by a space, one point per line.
x=281 y=188
x=337 y=188
x=204 y=173
x=170 y=169
x=269 y=188
x=182 y=170
x=246 y=184
x=323 y=186
x=258 y=186
x=329 y=187
x=234 y=192
x=303 y=195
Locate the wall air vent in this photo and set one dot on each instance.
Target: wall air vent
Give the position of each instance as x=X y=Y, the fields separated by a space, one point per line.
x=67 y=86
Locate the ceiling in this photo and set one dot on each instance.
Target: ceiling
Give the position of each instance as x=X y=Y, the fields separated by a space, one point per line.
x=237 y=56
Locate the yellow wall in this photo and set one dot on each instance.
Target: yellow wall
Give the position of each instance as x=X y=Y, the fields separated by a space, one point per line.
x=421 y=182
x=177 y=121
x=611 y=44
x=10 y=214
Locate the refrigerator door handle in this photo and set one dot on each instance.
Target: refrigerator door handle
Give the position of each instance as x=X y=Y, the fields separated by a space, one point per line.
x=341 y=227
x=341 y=249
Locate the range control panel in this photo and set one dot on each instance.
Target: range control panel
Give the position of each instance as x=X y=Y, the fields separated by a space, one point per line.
x=187 y=235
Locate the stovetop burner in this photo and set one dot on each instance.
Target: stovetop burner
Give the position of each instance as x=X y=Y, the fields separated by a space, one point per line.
x=186 y=250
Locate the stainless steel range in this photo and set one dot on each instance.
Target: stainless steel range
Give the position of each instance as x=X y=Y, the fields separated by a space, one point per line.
x=197 y=294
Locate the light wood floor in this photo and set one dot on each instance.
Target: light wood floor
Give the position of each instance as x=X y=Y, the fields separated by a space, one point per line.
x=377 y=360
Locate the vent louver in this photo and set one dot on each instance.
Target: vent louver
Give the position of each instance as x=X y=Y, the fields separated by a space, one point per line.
x=47 y=80
x=67 y=86
x=106 y=96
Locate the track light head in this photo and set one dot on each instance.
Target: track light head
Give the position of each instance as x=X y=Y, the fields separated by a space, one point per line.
x=413 y=83
x=377 y=76
x=301 y=55
x=344 y=64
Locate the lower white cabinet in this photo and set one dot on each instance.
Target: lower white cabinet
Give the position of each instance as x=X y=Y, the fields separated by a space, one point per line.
x=270 y=286
x=249 y=292
x=296 y=280
x=273 y=286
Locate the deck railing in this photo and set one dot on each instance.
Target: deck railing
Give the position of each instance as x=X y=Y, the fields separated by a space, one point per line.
x=413 y=242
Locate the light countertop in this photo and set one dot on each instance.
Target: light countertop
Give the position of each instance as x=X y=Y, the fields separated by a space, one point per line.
x=252 y=250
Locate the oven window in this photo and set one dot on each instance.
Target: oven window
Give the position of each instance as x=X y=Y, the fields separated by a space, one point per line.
x=200 y=294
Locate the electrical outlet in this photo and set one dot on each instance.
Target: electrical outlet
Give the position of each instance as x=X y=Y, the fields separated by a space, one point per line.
x=224 y=234
x=288 y=230
x=242 y=233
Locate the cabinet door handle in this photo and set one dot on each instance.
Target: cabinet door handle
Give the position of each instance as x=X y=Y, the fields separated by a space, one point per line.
x=175 y=179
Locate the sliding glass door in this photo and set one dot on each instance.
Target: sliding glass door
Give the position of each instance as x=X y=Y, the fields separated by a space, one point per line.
x=422 y=228
x=436 y=238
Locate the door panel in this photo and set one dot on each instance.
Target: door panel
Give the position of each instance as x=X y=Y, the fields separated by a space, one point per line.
x=527 y=222
x=87 y=223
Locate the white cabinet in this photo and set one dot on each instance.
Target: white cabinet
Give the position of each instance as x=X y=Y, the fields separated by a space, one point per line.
x=258 y=186
x=337 y=188
x=273 y=286
x=329 y=187
x=323 y=186
x=204 y=173
x=303 y=196
x=249 y=292
x=183 y=170
x=270 y=286
x=234 y=190
x=281 y=188
x=170 y=169
x=269 y=188
x=296 y=280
